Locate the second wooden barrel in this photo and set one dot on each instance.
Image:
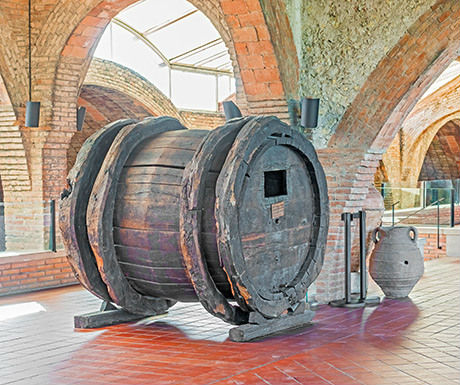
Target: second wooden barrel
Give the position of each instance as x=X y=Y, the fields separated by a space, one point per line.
x=237 y=214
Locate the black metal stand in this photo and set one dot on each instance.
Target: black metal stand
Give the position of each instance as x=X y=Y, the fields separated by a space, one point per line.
x=361 y=300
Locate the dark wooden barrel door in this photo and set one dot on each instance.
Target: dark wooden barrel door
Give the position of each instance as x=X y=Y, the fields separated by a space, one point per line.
x=275 y=218
x=271 y=209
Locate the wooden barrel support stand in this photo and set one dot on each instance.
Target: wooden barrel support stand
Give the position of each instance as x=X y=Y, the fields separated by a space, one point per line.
x=235 y=218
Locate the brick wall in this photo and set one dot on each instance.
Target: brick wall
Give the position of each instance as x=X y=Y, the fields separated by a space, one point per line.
x=348 y=188
x=13 y=161
x=26 y=225
x=202 y=119
x=26 y=273
x=431 y=250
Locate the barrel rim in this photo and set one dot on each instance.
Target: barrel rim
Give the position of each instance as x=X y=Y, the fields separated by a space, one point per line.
x=268 y=131
x=74 y=202
x=192 y=193
x=101 y=210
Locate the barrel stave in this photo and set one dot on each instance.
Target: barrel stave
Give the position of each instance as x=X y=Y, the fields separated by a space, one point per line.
x=147 y=203
x=152 y=175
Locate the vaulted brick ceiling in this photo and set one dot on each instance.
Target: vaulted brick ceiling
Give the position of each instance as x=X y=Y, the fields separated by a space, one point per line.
x=112 y=104
x=442 y=160
x=103 y=105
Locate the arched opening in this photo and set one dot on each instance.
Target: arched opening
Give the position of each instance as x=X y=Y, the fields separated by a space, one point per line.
x=152 y=65
x=440 y=171
x=176 y=48
x=423 y=160
x=405 y=155
x=442 y=160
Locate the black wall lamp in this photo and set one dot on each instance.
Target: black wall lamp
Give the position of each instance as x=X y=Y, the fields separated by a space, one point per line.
x=81 y=112
x=307 y=110
x=32 y=108
x=231 y=110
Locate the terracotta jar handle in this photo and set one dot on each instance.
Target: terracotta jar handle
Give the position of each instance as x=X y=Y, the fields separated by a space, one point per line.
x=374 y=234
x=413 y=230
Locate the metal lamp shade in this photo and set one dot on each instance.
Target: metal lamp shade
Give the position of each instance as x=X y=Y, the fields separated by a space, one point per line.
x=32 y=114
x=309 y=112
x=81 y=112
x=231 y=110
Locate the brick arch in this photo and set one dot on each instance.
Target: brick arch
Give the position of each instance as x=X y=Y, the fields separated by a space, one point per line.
x=14 y=169
x=441 y=103
x=403 y=164
x=400 y=79
x=13 y=72
x=442 y=159
x=103 y=105
x=412 y=168
x=404 y=157
x=373 y=119
x=253 y=45
x=111 y=103
x=241 y=24
x=107 y=74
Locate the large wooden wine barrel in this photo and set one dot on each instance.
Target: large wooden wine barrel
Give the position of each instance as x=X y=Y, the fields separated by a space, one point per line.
x=235 y=218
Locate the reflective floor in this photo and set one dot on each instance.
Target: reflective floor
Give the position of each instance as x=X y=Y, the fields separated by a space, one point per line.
x=407 y=342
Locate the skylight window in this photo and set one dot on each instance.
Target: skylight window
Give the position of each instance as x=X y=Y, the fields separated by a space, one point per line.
x=174 y=46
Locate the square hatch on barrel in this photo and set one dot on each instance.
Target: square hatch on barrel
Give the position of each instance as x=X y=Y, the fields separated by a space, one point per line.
x=275 y=183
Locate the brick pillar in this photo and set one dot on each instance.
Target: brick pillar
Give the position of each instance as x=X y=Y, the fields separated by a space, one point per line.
x=25 y=210
x=349 y=175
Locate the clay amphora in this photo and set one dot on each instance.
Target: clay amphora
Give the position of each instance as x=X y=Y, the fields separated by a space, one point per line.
x=396 y=263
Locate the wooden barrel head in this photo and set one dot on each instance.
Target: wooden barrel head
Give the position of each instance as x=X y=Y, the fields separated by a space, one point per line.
x=198 y=226
x=74 y=202
x=272 y=213
x=275 y=214
x=146 y=217
x=100 y=217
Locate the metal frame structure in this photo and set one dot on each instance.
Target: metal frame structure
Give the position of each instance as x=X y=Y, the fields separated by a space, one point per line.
x=200 y=57
x=169 y=62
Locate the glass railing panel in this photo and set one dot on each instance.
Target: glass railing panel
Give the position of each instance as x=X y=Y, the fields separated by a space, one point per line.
x=418 y=206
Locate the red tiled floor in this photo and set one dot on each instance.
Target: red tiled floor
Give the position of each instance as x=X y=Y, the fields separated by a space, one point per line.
x=408 y=342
